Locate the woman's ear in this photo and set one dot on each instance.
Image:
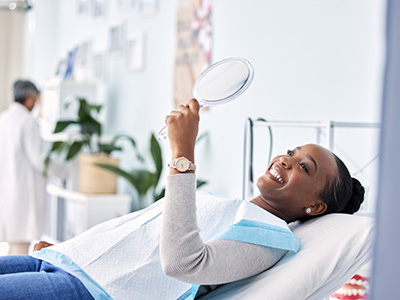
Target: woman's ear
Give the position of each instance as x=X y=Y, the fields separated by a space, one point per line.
x=318 y=208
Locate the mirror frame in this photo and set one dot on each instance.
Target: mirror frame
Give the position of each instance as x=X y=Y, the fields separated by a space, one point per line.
x=232 y=96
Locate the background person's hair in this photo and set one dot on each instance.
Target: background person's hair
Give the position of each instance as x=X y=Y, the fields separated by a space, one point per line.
x=342 y=193
x=22 y=88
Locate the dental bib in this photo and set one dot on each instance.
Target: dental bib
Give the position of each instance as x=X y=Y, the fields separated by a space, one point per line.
x=122 y=255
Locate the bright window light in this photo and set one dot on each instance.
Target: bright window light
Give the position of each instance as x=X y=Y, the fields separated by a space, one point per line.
x=12 y=5
x=4 y=247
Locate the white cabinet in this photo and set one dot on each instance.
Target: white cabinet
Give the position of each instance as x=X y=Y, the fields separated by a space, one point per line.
x=54 y=96
x=71 y=213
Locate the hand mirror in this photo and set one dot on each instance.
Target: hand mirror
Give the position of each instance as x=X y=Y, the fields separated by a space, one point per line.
x=220 y=83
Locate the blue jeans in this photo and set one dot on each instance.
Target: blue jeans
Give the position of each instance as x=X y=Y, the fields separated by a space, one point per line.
x=25 y=277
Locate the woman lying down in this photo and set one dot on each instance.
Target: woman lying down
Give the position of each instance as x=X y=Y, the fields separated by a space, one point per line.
x=160 y=252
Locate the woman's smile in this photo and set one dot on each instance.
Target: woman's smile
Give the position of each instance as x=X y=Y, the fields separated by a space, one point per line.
x=294 y=181
x=275 y=174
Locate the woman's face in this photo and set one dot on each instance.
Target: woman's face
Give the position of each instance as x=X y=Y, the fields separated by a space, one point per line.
x=31 y=100
x=294 y=181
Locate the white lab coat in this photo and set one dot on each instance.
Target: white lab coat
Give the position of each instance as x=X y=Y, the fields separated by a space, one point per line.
x=22 y=186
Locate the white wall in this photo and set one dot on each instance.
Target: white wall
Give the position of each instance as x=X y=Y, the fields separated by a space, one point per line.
x=314 y=60
x=14 y=46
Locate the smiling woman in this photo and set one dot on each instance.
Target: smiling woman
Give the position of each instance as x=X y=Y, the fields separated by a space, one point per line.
x=237 y=239
x=307 y=182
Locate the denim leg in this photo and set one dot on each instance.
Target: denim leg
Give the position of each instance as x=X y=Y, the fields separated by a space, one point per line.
x=18 y=263
x=25 y=277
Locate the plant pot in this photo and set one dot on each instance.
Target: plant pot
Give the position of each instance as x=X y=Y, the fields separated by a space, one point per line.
x=94 y=180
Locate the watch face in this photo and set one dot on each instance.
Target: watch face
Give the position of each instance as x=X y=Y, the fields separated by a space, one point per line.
x=182 y=164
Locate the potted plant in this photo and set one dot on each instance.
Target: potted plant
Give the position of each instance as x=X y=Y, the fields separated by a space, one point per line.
x=91 y=147
x=145 y=180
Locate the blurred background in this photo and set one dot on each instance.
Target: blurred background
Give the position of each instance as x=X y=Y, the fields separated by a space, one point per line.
x=315 y=62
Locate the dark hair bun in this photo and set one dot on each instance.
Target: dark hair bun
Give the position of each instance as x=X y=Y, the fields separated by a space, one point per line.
x=356 y=199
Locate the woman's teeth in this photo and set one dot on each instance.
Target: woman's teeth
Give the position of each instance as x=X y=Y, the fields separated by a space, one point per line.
x=276 y=175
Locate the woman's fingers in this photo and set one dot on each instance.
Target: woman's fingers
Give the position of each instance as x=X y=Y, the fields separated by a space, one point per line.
x=183 y=108
x=190 y=110
x=41 y=245
x=172 y=114
x=194 y=105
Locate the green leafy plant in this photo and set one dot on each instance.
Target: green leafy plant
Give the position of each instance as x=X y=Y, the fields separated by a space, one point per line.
x=89 y=136
x=143 y=179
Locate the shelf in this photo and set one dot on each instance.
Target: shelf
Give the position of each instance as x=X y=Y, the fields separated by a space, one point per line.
x=71 y=213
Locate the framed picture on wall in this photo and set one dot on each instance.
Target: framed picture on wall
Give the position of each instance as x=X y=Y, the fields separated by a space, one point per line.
x=99 y=65
x=125 y=3
x=61 y=67
x=134 y=51
x=82 y=65
x=116 y=37
x=82 y=7
x=99 y=8
x=84 y=52
x=148 y=6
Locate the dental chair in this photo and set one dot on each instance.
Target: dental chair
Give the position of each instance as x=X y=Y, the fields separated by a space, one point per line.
x=333 y=248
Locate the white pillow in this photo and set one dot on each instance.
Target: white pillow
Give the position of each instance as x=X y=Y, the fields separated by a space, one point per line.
x=333 y=248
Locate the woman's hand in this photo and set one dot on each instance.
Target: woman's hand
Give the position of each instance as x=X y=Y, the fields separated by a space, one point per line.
x=183 y=127
x=41 y=245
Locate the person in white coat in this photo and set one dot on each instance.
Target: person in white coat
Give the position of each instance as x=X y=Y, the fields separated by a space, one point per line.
x=22 y=185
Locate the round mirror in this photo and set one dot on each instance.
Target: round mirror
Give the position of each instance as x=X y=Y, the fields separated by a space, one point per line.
x=220 y=83
x=223 y=81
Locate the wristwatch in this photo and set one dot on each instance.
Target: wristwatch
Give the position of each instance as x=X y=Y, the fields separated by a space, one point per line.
x=182 y=164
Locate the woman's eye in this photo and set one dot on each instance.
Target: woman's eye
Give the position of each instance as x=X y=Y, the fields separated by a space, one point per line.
x=304 y=167
x=290 y=152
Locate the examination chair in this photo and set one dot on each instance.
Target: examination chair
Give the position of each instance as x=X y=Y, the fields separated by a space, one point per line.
x=333 y=248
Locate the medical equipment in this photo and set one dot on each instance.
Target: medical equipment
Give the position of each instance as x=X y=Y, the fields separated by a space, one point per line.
x=257 y=130
x=220 y=83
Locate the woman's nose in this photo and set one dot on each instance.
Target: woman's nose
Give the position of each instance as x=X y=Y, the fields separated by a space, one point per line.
x=285 y=162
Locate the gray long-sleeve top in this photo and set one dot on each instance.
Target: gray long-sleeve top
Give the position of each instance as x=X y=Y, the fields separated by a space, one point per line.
x=186 y=257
